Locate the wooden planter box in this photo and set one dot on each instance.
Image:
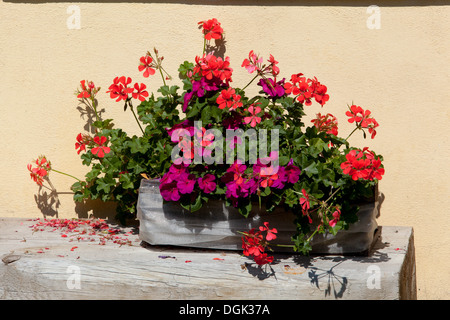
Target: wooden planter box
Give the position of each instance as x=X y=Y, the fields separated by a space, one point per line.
x=216 y=226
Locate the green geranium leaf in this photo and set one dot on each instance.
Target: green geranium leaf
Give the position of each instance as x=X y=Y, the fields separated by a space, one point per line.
x=245 y=208
x=137 y=145
x=126 y=182
x=103 y=186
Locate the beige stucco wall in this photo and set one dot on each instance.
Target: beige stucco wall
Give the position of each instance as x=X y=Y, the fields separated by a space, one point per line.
x=399 y=71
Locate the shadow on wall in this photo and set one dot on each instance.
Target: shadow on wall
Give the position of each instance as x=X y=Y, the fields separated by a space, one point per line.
x=314 y=3
x=47 y=201
x=86 y=113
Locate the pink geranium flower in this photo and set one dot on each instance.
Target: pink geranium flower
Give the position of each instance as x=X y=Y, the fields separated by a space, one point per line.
x=253 y=119
x=253 y=63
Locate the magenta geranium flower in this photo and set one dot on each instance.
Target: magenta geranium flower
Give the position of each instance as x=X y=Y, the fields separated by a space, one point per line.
x=280 y=182
x=235 y=173
x=233 y=122
x=186 y=183
x=169 y=191
x=272 y=88
x=292 y=172
x=178 y=169
x=207 y=183
x=186 y=124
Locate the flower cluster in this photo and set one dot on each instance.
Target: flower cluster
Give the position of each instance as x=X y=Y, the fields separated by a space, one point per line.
x=254 y=244
x=306 y=89
x=43 y=167
x=362 y=164
x=147 y=65
x=326 y=123
x=120 y=89
x=254 y=63
x=229 y=99
x=88 y=89
x=97 y=144
x=363 y=119
x=210 y=74
x=211 y=29
x=238 y=182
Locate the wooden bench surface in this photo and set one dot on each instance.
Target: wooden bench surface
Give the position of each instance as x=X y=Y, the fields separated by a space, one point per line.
x=46 y=265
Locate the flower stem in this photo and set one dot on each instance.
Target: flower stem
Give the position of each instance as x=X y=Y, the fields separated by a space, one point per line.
x=66 y=174
x=283 y=245
x=136 y=118
x=312 y=235
x=250 y=82
x=352 y=133
x=95 y=108
x=162 y=76
x=333 y=194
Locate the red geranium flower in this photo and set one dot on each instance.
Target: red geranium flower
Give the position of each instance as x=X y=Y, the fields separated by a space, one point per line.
x=363 y=119
x=140 y=92
x=84 y=92
x=211 y=29
x=336 y=215
x=119 y=89
x=229 y=99
x=251 y=243
x=101 y=150
x=87 y=91
x=272 y=67
x=212 y=67
x=306 y=89
x=299 y=87
x=270 y=232
x=356 y=114
x=146 y=64
x=254 y=244
x=362 y=164
x=263 y=259
x=327 y=123
x=42 y=169
x=81 y=143
x=304 y=202
x=319 y=91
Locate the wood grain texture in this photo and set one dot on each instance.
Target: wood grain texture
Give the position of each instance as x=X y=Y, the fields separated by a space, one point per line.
x=137 y=271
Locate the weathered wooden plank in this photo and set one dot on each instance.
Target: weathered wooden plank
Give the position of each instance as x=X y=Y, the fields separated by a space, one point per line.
x=111 y=271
